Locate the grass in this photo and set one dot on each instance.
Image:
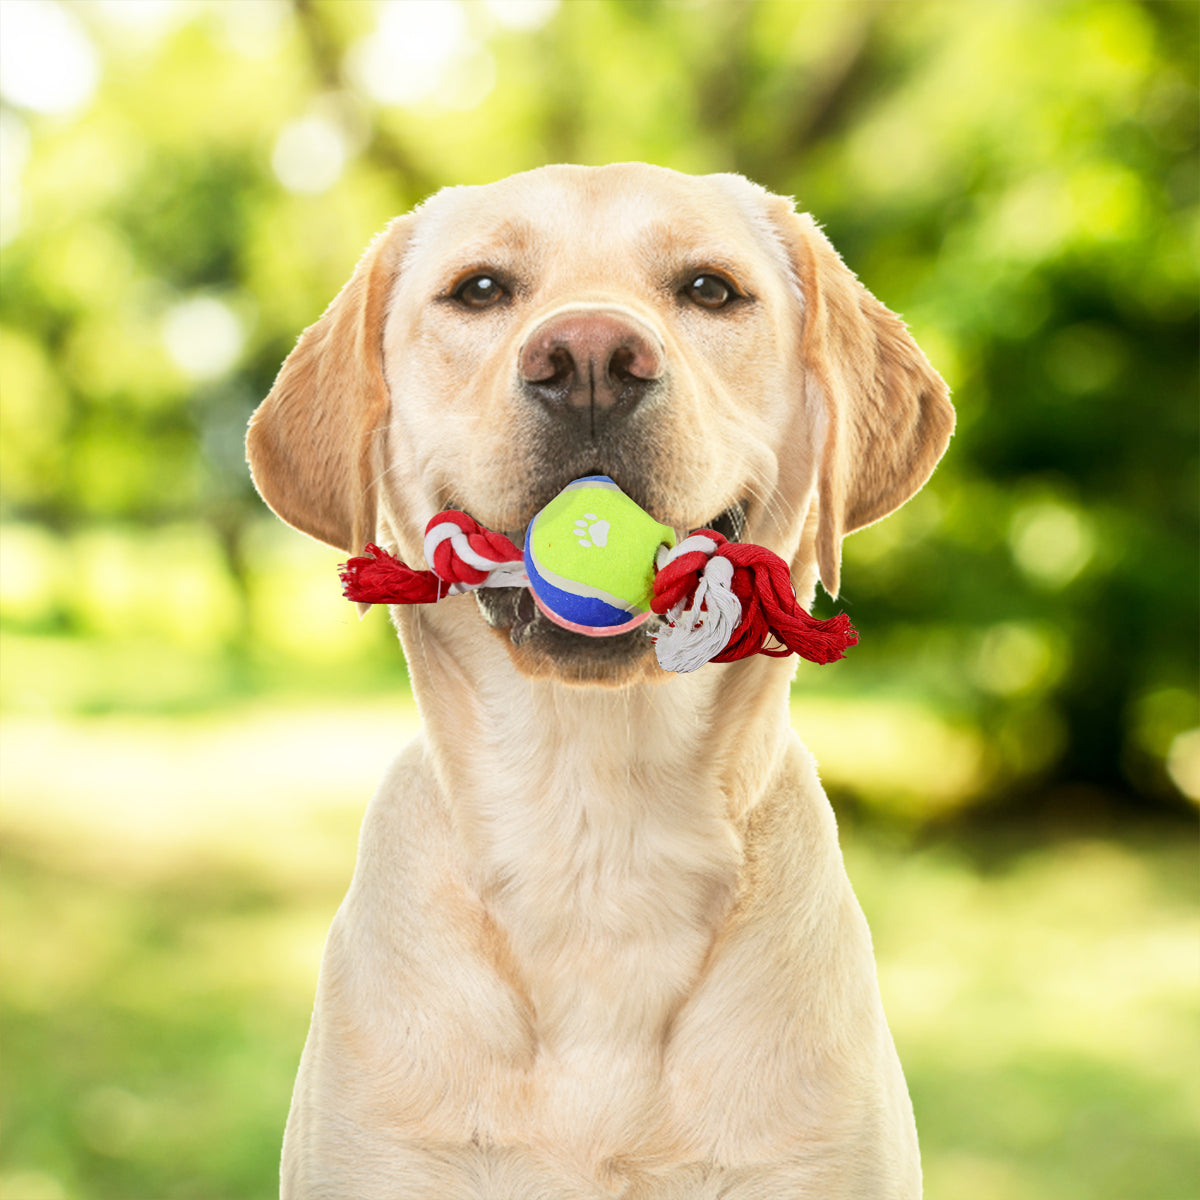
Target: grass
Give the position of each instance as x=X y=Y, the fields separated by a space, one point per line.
x=167 y=885
x=1045 y=1010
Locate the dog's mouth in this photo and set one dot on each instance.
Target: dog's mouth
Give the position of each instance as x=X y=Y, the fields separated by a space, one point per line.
x=731 y=523
x=514 y=612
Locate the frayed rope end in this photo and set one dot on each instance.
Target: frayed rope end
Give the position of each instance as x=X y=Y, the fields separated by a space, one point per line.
x=378 y=577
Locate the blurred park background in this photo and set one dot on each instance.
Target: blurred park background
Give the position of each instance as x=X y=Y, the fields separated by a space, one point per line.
x=193 y=719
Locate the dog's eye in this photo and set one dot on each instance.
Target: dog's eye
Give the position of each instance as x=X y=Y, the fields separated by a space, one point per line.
x=480 y=291
x=709 y=291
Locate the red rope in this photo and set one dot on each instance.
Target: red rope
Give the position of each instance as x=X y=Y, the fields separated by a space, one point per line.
x=773 y=622
x=380 y=578
x=384 y=579
x=446 y=559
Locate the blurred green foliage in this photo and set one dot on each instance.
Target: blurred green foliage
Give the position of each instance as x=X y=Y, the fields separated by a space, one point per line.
x=1019 y=179
x=184 y=184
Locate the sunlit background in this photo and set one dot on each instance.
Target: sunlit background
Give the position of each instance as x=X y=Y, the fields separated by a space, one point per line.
x=193 y=719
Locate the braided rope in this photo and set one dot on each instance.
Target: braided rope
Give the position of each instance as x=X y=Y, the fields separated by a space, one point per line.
x=722 y=600
x=463 y=554
x=740 y=599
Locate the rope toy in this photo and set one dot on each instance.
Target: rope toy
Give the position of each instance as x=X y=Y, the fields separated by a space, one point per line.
x=599 y=564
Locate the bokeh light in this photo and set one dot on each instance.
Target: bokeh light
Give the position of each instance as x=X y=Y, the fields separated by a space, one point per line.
x=309 y=154
x=47 y=61
x=413 y=51
x=204 y=336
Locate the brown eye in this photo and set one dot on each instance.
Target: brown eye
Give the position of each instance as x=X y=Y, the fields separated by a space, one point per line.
x=709 y=291
x=480 y=291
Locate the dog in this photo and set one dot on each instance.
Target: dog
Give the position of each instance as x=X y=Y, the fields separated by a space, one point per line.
x=599 y=941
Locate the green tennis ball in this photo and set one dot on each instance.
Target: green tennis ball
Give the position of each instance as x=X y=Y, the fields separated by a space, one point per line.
x=589 y=555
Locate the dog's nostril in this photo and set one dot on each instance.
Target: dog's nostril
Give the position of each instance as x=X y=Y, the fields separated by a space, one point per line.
x=561 y=364
x=620 y=366
x=628 y=378
x=546 y=361
x=553 y=378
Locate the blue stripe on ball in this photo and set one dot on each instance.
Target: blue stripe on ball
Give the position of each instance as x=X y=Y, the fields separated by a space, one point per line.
x=579 y=610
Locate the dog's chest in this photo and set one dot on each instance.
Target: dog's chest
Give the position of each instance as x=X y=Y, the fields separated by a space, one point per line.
x=608 y=894
x=609 y=905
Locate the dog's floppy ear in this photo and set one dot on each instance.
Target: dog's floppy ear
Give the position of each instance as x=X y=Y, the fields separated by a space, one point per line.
x=312 y=445
x=887 y=412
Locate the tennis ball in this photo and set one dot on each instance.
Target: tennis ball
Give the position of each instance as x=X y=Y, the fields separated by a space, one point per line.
x=589 y=555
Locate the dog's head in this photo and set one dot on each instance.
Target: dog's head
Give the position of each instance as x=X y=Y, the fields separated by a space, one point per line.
x=694 y=338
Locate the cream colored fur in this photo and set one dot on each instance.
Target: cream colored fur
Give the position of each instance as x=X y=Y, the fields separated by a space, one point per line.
x=600 y=941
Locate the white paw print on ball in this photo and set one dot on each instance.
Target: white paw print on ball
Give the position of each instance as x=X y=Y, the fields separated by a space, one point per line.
x=593 y=534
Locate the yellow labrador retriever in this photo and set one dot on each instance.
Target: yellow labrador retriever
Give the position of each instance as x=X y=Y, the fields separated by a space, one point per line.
x=600 y=941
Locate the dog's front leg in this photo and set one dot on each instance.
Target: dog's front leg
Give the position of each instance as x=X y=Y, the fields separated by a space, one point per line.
x=417 y=1040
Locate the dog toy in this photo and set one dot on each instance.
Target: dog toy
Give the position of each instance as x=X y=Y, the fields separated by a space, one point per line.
x=589 y=555
x=599 y=564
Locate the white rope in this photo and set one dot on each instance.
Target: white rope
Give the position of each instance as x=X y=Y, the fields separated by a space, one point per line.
x=698 y=633
x=697 y=541
x=507 y=574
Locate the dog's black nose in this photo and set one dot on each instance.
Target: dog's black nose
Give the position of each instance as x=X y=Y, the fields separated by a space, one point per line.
x=592 y=364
